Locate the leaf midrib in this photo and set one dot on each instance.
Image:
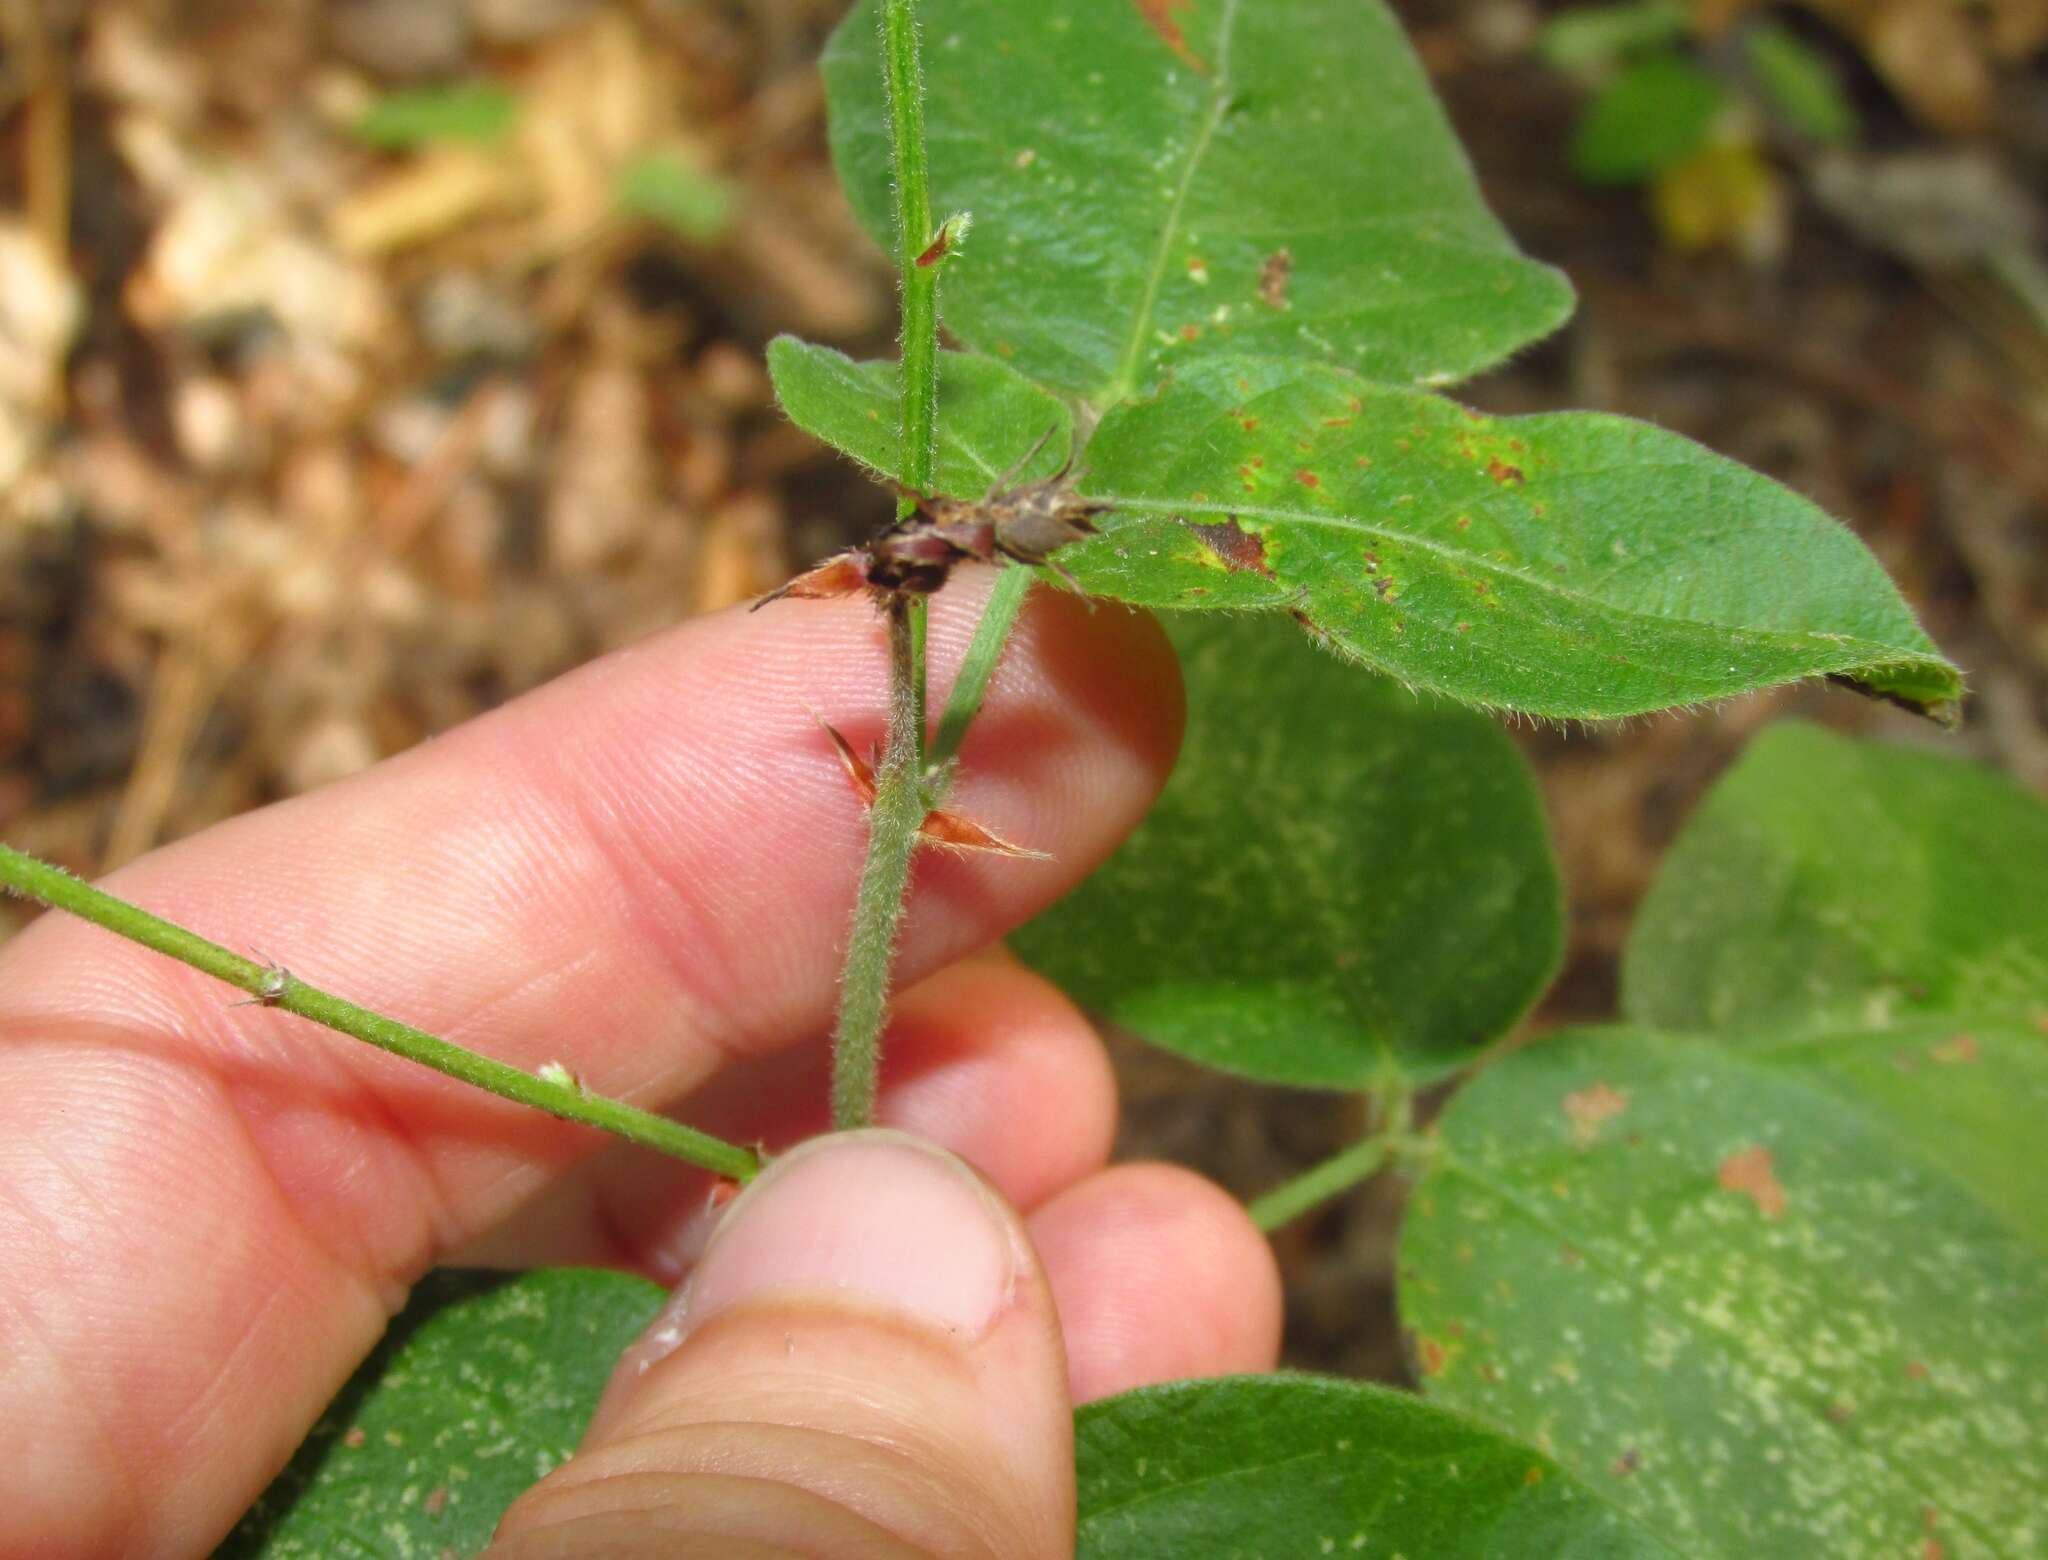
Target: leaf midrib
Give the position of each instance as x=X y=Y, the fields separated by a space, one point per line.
x=1882 y=654
x=1120 y=388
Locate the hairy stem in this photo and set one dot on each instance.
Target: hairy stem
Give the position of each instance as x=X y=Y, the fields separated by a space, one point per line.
x=878 y=907
x=920 y=619
x=273 y=987
x=899 y=805
x=904 y=79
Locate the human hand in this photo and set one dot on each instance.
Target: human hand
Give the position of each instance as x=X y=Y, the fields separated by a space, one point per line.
x=207 y=1213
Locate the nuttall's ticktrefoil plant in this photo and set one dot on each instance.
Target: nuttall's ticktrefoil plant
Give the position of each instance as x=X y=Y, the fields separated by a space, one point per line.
x=1760 y=1272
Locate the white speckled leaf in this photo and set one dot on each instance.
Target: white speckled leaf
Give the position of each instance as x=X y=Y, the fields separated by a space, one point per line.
x=1829 y=881
x=1341 y=877
x=1879 y=917
x=1717 y=1285
x=482 y=1385
x=1136 y=167
x=1303 y=1465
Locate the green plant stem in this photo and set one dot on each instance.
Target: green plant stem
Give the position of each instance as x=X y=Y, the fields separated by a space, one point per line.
x=878 y=907
x=920 y=619
x=274 y=987
x=984 y=651
x=1288 y=1202
x=904 y=79
x=899 y=806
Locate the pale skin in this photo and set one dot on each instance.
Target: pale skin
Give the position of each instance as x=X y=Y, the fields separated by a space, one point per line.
x=643 y=871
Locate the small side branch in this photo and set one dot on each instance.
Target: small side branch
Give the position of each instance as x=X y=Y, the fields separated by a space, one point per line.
x=554 y=1091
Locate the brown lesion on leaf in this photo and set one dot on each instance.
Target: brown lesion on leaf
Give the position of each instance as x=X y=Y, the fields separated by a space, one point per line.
x=1307 y=478
x=1240 y=551
x=1433 y=1357
x=1160 y=16
x=1956 y=1051
x=1628 y=1462
x=1749 y=1171
x=1274 y=277
x=1503 y=473
x=1587 y=1108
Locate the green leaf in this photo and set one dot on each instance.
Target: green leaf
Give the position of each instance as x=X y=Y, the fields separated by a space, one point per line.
x=1799 y=83
x=1303 y=1465
x=1338 y=877
x=1572 y=564
x=990 y=417
x=1156 y=180
x=664 y=187
x=1881 y=917
x=1729 y=1296
x=426 y=116
x=1594 y=37
x=1653 y=115
x=482 y=1385
x=1829 y=882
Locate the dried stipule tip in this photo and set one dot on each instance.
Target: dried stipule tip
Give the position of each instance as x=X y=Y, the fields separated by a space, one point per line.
x=947 y=830
x=840 y=575
x=952 y=234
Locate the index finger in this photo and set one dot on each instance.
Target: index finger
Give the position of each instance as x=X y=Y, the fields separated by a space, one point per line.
x=207 y=1213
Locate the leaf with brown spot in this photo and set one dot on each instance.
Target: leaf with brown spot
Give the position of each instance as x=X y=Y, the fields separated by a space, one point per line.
x=1660 y=574
x=1159 y=16
x=1884 y=906
x=1588 y=1108
x=1229 y=131
x=1749 y=1171
x=1241 y=551
x=1774 y=1250
x=1274 y=276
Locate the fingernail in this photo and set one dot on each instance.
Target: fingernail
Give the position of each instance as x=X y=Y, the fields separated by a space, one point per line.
x=879 y=1218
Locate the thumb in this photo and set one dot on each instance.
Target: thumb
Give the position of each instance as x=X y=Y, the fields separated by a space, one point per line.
x=864 y=1363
